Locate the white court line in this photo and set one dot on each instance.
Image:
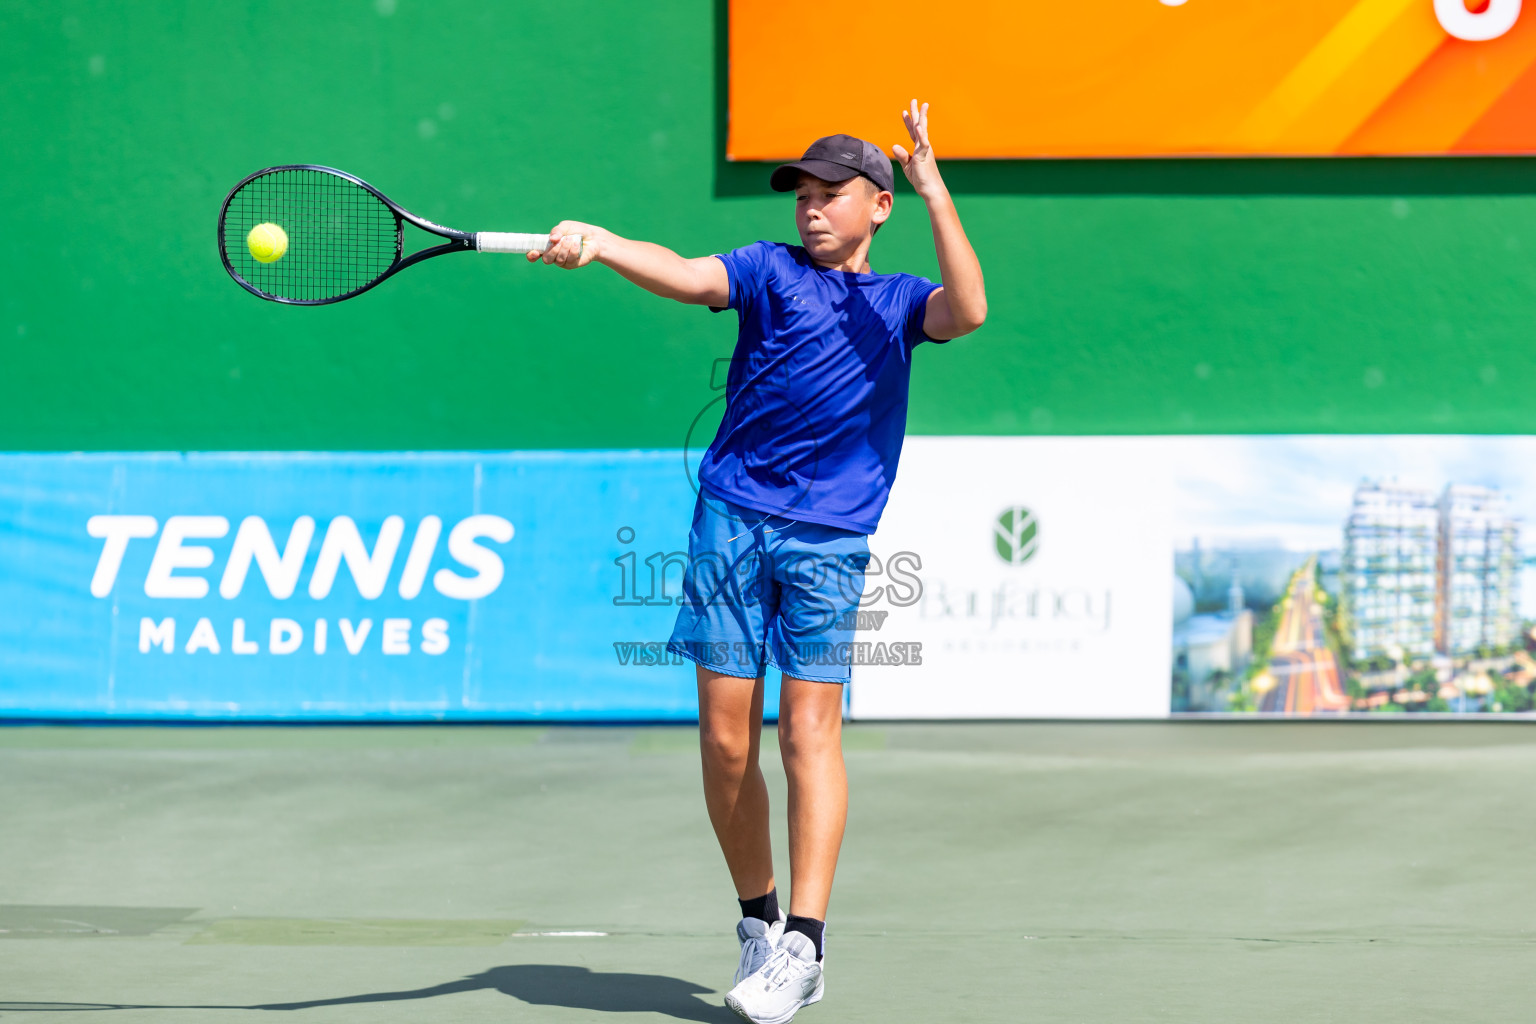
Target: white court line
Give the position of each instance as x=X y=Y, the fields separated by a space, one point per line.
x=558 y=935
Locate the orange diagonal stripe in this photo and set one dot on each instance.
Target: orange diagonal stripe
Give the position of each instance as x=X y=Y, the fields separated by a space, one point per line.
x=1363 y=60
x=1355 y=33
x=1506 y=126
x=1448 y=94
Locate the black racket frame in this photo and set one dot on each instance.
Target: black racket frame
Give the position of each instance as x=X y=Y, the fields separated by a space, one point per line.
x=458 y=241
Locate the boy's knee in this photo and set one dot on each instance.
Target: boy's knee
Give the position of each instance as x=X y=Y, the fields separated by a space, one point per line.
x=725 y=747
x=809 y=732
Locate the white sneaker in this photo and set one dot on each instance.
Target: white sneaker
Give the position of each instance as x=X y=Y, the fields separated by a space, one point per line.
x=758 y=940
x=789 y=980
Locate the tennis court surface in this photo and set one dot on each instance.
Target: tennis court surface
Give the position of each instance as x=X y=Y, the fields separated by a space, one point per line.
x=1023 y=872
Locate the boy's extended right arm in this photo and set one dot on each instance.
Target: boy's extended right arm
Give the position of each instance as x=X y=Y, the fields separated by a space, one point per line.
x=655 y=268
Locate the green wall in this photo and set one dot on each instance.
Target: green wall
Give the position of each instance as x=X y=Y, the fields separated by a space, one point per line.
x=1169 y=297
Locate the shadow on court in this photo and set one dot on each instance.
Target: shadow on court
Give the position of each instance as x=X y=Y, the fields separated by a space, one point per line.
x=537 y=984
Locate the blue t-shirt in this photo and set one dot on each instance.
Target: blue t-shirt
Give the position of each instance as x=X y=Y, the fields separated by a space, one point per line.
x=816 y=400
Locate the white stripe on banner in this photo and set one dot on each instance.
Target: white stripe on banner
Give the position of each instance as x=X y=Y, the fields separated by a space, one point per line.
x=1044 y=569
x=1131 y=577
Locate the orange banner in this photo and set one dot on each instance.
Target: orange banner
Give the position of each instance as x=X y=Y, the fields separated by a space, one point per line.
x=1137 y=78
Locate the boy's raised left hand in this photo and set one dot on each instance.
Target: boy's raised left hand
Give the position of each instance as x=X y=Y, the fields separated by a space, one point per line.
x=921 y=168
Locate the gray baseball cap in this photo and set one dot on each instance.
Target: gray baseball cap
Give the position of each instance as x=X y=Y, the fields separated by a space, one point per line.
x=836 y=158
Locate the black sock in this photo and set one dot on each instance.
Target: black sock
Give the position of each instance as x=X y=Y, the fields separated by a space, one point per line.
x=809 y=927
x=764 y=908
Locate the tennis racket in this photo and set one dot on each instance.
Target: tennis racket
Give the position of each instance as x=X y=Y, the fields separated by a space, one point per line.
x=340 y=235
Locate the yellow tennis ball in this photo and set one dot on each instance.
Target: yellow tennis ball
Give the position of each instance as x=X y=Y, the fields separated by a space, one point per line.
x=267 y=243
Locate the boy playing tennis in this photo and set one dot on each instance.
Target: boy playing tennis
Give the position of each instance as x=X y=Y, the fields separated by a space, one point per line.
x=793 y=483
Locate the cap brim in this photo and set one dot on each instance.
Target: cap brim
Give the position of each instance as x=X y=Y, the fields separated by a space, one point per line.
x=787 y=176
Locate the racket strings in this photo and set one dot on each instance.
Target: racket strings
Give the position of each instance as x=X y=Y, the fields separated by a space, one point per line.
x=341 y=237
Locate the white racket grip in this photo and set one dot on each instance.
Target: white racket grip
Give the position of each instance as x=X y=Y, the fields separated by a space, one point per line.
x=511 y=241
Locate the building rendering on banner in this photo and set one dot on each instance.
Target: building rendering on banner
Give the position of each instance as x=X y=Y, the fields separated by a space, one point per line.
x=1210 y=650
x=1422 y=575
x=1387 y=579
x=1478 y=566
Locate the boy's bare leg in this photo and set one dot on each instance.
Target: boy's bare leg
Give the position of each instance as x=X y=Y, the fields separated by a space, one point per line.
x=811 y=741
x=730 y=734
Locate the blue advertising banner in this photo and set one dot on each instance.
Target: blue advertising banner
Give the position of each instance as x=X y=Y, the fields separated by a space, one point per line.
x=1273 y=575
x=440 y=586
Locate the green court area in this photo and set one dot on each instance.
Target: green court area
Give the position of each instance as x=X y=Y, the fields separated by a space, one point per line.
x=1025 y=872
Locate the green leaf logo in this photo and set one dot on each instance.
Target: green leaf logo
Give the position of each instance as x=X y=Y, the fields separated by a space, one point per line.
x=1016 y=535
